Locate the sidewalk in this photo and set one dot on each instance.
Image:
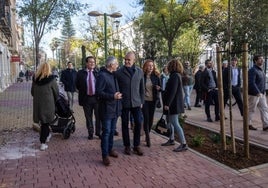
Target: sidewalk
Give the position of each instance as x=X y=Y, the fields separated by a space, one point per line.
x=76 y=162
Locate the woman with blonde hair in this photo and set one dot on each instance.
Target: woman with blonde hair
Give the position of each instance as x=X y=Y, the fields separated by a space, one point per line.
x=45 y=93
x=152 y=87
x=173 y=104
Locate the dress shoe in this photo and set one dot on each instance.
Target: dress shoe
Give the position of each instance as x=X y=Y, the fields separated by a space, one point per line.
x=90 y=137
x=168 y=143
x=113 y=154
x=209 y=120
x=182 y=147
x=217 y=118
x=106 y=161
x=265 y=129
x=137 y=150
x=250 y=127
x=189 y=108
x=197 y=105
x=127 y=150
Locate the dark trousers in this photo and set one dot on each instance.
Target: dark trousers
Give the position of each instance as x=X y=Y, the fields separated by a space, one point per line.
x=148 y=109
x=88 y=111
x=237 y=95
x=44 y=132
x=212 y=98
x=198 y=97
x=137 y=116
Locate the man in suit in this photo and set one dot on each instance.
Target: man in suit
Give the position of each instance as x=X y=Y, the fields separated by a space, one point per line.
x=210 y=90
x=131 y=85
x=85 y=84
x=235 y=82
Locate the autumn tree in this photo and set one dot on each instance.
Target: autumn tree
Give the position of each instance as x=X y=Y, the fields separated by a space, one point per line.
x=42 y=16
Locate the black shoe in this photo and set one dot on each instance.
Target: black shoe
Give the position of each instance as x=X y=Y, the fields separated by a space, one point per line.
x=265 y=129
x=127 y=150
x=182 y=147
x=197 y=105
x=116 y=133
x=90 y=137
x=217 y=119
x=189 y=108
x=250 y=127
x=209 y=120
x=137 y=150
x=168 y=143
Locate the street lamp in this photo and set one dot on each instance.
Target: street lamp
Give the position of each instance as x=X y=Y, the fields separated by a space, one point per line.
x=113 y=15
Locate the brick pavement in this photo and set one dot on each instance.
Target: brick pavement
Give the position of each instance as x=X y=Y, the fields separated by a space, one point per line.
x=76 y=162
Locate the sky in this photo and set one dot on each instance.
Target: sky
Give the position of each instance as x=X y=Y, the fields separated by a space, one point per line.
x=125 y=7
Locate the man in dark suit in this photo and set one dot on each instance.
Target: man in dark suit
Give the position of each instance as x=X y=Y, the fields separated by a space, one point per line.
x=85 y=84
x=235 y=82
x=131 y=85
x=210 y=90
x=197 y=86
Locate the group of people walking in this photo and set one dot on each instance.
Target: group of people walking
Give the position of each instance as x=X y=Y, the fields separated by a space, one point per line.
x=232 y=82
x=132 y=91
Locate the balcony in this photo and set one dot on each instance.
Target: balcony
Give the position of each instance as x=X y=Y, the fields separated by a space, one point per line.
x=5 y=17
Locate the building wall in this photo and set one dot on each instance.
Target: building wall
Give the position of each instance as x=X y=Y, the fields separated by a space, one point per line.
x=10 y=45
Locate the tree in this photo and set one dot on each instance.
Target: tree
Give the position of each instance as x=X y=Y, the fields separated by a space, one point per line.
x=43 y=16
x=166 y=17
x=67 y=32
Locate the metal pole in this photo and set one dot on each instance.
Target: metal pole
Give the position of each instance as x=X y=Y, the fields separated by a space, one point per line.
x=105 y=35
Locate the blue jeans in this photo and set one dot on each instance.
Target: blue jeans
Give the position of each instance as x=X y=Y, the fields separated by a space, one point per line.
x=187 y=94
x=107 y=138
x=137 y=116
x=173 y=120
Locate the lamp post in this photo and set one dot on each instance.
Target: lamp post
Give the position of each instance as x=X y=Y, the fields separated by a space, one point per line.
x=113 y=15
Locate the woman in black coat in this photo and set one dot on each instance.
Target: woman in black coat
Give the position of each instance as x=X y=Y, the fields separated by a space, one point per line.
x=173 y=103
x=45 y=92
x=152 y=88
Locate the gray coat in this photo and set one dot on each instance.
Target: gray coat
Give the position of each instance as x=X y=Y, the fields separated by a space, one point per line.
x=45 y=92
x=131 y=87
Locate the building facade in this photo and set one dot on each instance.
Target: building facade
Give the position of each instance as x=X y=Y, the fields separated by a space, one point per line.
x=10 y=44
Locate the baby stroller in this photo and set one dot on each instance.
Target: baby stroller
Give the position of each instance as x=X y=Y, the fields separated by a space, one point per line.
x=64 y=121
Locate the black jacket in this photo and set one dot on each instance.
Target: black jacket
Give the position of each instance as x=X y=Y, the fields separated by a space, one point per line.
x=225 y=78
x=106 y=87
x=173 y=94
x=205 y=78
x=68 y=78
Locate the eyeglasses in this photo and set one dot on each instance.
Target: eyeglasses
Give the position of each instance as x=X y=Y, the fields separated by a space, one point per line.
x=127 y=59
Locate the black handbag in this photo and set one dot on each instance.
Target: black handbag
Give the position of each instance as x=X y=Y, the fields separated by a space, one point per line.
x=162 y=127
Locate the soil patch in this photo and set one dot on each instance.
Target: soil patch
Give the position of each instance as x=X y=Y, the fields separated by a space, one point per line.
x=210 y=145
